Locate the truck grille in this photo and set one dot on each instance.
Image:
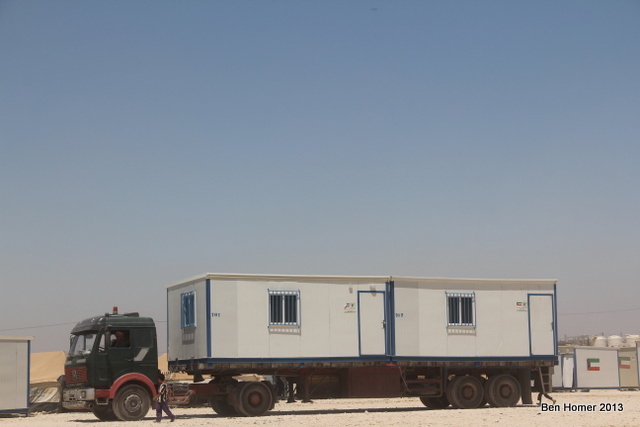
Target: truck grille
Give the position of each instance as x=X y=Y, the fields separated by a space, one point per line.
x=75 y=375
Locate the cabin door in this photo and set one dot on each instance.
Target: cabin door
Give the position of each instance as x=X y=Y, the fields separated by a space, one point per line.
x=541 y=324
x=372 y=323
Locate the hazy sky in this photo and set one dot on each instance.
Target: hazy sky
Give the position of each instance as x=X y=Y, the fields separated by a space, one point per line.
x=144 y=142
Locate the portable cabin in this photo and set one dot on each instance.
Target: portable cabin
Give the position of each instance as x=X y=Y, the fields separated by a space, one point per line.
x=14 y=374
x=596 y=367
x=235 y=318
x=238 y=318
x=628 y=367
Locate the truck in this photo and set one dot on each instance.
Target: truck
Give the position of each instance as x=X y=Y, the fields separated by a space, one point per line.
x=449 y=342
x=112 y=366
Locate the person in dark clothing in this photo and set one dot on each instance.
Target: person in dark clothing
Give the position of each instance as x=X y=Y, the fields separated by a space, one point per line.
x=121 y=340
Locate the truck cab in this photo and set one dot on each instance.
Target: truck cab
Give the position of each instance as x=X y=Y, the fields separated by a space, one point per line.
x=112 y=366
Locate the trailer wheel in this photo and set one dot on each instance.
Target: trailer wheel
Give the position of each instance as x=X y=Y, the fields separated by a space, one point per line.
x=104 y=412
x=435 y=402
x=502 y=390
x=253 y=399
x=132 y=403
x=221 y=407
x=465 y=392
x=483 y=382
x=487 y=391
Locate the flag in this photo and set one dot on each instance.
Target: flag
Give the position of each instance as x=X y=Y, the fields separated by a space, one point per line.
x=593 y=364
x=625 y=363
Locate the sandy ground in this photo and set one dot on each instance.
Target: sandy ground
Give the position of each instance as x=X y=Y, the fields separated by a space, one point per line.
x=391 y=412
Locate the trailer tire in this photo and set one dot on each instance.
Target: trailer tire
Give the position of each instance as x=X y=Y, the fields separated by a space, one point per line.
x=253 y=399
x=483 y=403
x=221 y=407
x=132 y=403
x=487 y=391
x=435 y=402
x=105 y=412
x=465 y=392
x=502 y=390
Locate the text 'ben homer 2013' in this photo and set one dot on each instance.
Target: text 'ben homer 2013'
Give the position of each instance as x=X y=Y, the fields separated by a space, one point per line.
x=570 y=407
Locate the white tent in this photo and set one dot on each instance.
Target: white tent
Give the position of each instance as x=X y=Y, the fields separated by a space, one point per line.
x=46 y=368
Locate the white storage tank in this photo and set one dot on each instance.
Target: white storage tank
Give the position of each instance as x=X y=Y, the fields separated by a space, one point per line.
x=599 y=341
x=614 y=341
x=631 y=340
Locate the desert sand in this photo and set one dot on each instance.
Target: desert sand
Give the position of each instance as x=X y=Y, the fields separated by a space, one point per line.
x=608 y=408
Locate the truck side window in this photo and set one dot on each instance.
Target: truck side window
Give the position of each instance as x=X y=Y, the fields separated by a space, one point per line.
x=120 y=339
x=102 y=347
x=143 y=338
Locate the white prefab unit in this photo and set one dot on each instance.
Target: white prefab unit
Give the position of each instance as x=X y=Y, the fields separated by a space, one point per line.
x=478 y=319
x=628 y=367
x=14 y=374
x=568 y=370
x=252 y=318
x=233 y=318
x=563 y=373
x=596 y=367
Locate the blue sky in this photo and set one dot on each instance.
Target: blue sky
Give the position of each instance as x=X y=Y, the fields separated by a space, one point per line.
x=145 y=142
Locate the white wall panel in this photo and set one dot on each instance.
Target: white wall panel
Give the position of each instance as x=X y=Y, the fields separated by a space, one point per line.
x=408 y=320
x=596 y=367
x=224 y=319
x=14 y=373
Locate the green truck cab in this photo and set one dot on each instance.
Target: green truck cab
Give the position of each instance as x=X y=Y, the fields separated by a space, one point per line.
x=112 y=366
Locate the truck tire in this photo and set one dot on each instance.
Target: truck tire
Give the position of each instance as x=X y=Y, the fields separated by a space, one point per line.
x=465 y=392
x=435 y=402
x=104 y=412
x=253 y=399
x=221 y=407
x=132 y=403
x=502 y=390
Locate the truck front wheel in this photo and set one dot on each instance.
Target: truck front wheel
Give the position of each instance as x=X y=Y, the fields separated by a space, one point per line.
x=132 y=403
x=104 y=412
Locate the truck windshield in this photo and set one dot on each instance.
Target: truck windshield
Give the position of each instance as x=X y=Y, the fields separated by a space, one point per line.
x=81 y=345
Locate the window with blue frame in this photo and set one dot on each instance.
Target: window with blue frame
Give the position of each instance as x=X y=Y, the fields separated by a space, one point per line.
x=284 y=308
x=188 y=309
x=461 y=309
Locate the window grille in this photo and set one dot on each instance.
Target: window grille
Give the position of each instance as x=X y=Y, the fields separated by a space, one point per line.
x=188 y=310
x=461 y=309
x=284 y=308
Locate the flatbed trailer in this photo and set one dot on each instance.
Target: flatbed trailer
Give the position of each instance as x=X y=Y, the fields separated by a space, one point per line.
x=459 y=342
